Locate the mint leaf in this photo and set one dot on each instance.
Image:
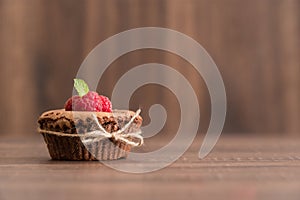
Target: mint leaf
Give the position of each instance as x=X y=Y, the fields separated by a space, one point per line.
x=81 y=87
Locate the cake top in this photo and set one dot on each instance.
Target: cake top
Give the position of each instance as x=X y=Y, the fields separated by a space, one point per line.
x=82 y=121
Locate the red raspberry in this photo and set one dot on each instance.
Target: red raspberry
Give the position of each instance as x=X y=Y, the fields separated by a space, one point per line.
x=106 y=104
x=89 y=102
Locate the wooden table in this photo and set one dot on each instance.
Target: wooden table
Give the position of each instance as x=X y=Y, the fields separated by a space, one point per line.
x=238 y=168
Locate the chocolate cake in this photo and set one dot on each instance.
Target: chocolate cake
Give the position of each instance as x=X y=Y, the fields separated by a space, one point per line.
x=66 y=134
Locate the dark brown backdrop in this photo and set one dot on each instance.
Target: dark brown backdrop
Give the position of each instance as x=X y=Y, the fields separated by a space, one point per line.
x=256 y=45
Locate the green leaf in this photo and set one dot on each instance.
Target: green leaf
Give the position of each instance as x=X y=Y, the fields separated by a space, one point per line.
x=81 y=87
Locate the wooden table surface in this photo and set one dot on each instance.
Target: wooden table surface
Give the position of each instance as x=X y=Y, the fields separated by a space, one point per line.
x=239 y=167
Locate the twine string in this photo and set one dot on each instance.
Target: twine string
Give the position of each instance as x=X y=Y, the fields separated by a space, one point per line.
x=98 y=135
x=117 y=135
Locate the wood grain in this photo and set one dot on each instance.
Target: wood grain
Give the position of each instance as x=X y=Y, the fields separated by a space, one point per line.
x=254 y=43
x=238 y=168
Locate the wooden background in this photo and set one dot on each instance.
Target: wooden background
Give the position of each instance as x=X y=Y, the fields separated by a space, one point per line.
x=256 y=45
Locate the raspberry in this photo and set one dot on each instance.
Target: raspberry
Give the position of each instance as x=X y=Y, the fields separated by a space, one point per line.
x=106 y=104
x=89 y=102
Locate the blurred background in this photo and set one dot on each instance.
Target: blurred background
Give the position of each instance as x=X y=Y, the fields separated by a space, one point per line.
x=255 y=44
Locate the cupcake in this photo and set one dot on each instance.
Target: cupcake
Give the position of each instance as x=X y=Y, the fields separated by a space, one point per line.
x=88 y=129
